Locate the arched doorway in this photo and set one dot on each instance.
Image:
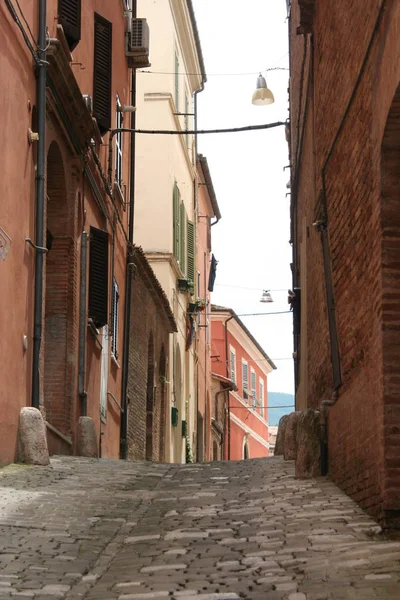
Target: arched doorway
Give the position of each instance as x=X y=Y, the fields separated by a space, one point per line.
x=200 y=437
x=177 y=431
x=390 y=227
x=162 y=372
x=150 y=398
x=246 y=452
x=215 y=453
x=59 y=359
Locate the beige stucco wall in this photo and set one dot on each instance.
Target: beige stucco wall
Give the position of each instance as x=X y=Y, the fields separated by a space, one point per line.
x=162 y=160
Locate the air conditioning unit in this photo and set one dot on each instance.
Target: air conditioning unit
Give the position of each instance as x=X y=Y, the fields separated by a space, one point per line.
x=137 y=43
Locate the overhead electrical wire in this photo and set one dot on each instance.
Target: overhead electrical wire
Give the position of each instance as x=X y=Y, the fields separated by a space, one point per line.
x=146 y=71
x=273 y=68
x=199 y=131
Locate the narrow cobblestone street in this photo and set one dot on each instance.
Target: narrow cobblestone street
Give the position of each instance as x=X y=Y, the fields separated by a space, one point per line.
x=121 y=530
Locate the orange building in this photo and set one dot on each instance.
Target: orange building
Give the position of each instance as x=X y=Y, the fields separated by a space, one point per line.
x=206 y=265
x=63 y=217
x=240 y=368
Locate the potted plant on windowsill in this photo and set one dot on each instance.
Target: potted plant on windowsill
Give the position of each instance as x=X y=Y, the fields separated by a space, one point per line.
x=197 y=306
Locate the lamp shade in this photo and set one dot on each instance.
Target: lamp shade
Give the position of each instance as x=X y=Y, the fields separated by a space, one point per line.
x=262 y=95
x=266 y=296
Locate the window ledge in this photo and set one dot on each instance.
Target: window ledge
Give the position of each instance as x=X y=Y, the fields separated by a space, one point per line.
x=115 y=361
x=95 y=332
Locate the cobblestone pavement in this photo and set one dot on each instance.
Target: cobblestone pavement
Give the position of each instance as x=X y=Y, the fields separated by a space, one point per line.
x=92 y=529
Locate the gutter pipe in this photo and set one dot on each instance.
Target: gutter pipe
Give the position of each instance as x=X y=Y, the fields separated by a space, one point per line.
x=227 y=374
x=40 y=206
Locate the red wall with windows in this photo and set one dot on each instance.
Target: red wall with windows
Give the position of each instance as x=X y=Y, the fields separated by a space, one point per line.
x=240 y=408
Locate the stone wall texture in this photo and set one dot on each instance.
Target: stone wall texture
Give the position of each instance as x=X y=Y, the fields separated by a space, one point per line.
x=345 y=156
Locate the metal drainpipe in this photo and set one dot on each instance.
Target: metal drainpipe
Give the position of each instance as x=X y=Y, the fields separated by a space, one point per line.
x=82 y=323
x=40 y=195
x=128 y=280
x=227 y=373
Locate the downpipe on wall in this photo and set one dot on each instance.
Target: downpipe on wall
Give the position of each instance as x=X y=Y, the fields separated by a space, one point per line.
x=40 y=197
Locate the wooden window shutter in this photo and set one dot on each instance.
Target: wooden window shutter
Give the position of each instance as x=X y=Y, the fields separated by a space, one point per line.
x=176 y=221
x=182 y=225
x=190 y=251
x=98 y=277
x=69 y=16
x=102 y=72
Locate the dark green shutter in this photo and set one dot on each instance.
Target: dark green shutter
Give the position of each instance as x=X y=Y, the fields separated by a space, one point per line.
x=102 y=72
x=69 y=16
x=190 y=251
x=98 y=277
x=182 y=226
x=176 y=221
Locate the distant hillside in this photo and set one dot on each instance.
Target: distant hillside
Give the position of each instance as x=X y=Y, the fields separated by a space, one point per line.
x=281 y=400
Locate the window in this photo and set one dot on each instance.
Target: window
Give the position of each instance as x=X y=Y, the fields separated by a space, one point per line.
x=182 y=228
x=176 y=218
x=253 y=388
x=245 y=379
x=233 y=364
x=102 y=72
x=114 y=320
x=176 y=82
x=262 y=398
x=98 y=277
x=191 y=252
x=118 y=143
x=69 y=16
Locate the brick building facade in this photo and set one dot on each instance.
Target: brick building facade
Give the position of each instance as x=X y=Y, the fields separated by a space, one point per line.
x=151 y=323
x=62 y=348
x=344 y=144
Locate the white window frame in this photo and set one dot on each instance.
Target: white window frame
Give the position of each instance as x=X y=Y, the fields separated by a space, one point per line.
x=245 y=381
x=232 y=355
x=114 y=319
x=119 y=120
x=253 y=383
x=261 y=386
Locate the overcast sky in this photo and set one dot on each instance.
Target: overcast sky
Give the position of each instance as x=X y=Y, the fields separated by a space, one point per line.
x=251 y=241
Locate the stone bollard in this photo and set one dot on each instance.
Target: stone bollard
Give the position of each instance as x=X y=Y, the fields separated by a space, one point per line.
x=308 y=459
x=280 y=437
x=290 y=442
x=32 y=441
x=87 y=438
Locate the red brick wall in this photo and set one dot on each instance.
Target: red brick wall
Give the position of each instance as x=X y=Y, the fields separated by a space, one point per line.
x=344 y=110
x=147 y=319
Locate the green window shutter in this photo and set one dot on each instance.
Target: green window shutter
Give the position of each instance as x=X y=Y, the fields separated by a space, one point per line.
x=182 y=227
x=176 y=221
x=190 y=250
x=176 y=82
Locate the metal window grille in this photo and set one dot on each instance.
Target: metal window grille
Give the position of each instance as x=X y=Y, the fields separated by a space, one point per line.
x=245 y=379
x=253 y=388
x=114 y=319
x=233 y=366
